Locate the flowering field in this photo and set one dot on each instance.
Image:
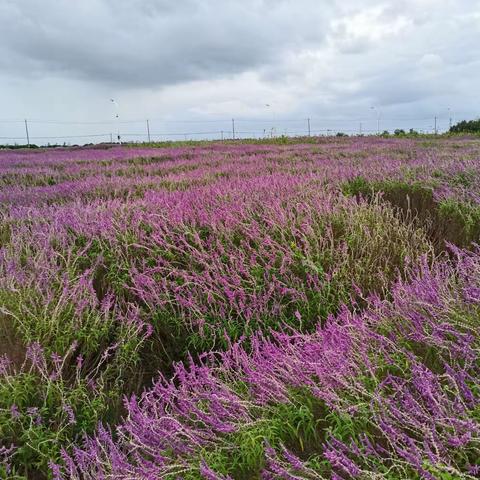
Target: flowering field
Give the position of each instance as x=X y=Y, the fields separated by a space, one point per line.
x=242 y=311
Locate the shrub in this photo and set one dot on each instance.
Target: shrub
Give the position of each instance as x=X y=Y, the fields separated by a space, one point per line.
x=466 y=126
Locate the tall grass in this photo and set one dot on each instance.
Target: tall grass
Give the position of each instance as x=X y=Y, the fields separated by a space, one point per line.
x=117 y=263
x=388 y=393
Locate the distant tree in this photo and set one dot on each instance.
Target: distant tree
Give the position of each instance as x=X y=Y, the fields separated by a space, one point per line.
x=341 y=134
x=470 y=126
x=399 y=131
x=385 y=133
x=17 y=146
x=412 y=132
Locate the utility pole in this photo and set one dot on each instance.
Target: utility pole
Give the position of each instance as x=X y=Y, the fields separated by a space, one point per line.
x=451 y=120
x=233 y=128
x=118 y=119
x=435 y=125
x=308 y=122
x=378 y=118
x=148 y=131
x=222 y=135
x=26 y=131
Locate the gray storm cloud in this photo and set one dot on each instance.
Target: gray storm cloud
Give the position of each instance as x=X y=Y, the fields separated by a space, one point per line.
x=212 y=58
x=151 y=43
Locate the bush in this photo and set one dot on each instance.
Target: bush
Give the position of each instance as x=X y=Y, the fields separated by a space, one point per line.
x=466 y=126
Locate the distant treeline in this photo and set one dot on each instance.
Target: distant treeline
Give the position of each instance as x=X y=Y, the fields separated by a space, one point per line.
x=470 y=126
x=18 y=147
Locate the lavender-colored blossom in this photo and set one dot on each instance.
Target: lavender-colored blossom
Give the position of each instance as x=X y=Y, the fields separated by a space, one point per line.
x=120 y=249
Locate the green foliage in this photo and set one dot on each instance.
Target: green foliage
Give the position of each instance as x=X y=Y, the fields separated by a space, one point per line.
x=23 y=146
x=88 y=360
x=464 y=215
x=5 y=234
x=446 y=220
x=297 y=424
x=41 y=413
x=357 y=186
x=466 y=126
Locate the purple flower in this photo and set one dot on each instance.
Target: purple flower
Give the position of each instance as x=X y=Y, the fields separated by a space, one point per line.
x=14 y=412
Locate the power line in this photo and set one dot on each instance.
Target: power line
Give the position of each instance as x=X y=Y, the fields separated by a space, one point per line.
x=293 y=127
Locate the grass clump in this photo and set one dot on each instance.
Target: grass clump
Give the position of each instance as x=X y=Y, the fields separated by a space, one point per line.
x=444 y=221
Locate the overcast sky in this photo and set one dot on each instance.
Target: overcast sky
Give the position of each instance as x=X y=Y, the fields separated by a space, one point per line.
x=62 y=60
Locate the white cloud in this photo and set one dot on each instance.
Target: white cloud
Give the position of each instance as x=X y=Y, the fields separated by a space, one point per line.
x=359 y=31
